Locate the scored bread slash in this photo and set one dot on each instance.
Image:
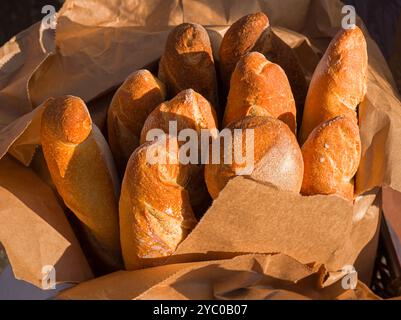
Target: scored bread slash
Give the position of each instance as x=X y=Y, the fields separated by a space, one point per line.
x=155 y=208
x=257 y=81
x=187 y=110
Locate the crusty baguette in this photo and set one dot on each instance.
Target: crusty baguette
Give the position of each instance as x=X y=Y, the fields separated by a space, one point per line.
x=339 y=82
x=277 y=51
x=155 y=211
x=277 y=158
x=82 y=169
x=190 y=110
x=258 y=82
x=132 y=103
x=239 y=40
x=253 y=33
x=331 y=155
x=188 y=62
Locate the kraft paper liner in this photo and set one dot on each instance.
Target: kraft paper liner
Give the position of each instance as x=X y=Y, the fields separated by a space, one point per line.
x=91 y=56
x=27 y=144
x=34 y=229
x=124 y=285
x=244 y=277
x=19 y=58
x=10 y=134
x=259 y=219
x=253 y=277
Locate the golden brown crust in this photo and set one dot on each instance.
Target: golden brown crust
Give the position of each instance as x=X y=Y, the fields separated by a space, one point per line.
x=277 y=158
x=258 y=82
x=331 y=155
x=190 y=110
x=277 y=51
x=68 y=120
x=132 y=103
x=339 y=82
x=239 y=40
x=188 y=62
x=79 y=163
x=253 y=33
x=155 y=211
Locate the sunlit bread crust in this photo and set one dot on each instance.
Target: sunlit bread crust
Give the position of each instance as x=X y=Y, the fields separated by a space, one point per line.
x=331 y=155
x=187 y=62
x=258 y=82
x=140 y=93
x=190 y=110
x=277 y=158
x=155 y=211
x=82 y=169
x=339 y=82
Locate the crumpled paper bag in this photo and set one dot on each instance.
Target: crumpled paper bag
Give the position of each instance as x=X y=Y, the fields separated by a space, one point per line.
x=256 y=276
x=44 y=236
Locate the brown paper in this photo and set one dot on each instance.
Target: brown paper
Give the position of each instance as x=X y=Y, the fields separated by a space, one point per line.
x=19 y=58
x=244 y=277
x=98 y=43
x=260 y=219
x=124 y=285
x=34 y=229
x=253 y=277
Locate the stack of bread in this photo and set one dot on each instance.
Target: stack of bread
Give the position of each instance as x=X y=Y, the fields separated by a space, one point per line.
x=133 y=212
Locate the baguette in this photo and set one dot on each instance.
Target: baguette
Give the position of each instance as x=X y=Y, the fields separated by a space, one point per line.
x=339 y=82
x=277 y=51
x=188 y=62
x=190 y=110
x=132 y=103
x=155 y=211
x=258 y=82
x=277 y=158
x=331 y=155
x=239 y=40
x=81 y=167
x=253 y=33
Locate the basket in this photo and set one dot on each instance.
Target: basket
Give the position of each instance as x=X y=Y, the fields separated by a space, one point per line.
x=386 y=281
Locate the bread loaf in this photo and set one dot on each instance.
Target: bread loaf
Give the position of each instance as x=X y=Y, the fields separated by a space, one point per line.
x=331 y=155
x=239 y=40
x=189 y=110
x=132 y=103
x=274 y=156
x=277 y=51
x=82 y=169
x=253 y=33
x=258 y=82
x=188 y=62
x=155 y=211
x=339 y=82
